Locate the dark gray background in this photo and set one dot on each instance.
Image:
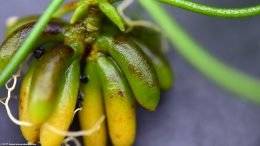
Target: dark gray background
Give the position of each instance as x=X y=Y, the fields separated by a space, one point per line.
x=196 y=112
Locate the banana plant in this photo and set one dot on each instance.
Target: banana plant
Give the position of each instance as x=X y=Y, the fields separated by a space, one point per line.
x=112 y=62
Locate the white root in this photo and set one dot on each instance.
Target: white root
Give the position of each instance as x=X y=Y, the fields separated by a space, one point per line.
x=9 y=92
x=77 y=110
x=6 y=102
x=76 y=133
x=73 y=139
x=2 y=101
x=133 y=23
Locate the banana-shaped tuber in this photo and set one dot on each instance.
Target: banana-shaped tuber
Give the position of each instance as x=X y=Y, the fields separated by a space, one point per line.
x=137 y=68
x=93 y=106
x=62 y=115
x=52 y=33
x=46 y=81
x=161 y=66
x=119 y=103
x=151 y=42
x=30 y=133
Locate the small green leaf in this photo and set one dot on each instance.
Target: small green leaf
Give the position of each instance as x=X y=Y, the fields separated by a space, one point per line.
x=110 y=11
x=80 y=11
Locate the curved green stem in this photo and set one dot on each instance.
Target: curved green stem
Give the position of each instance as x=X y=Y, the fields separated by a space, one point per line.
x=232 y=80
x=27 y=46
x=214 y=11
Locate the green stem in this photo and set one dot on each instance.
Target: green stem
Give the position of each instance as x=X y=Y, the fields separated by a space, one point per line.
x=232 y=80
x=214 y=11
x=28 y=44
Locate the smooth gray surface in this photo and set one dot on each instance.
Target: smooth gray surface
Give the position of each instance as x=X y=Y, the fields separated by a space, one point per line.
x=196 y=112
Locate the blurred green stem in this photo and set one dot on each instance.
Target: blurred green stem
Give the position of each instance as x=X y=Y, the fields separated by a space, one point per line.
x=28 y=44
x=232 y=80
x=214 y=11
